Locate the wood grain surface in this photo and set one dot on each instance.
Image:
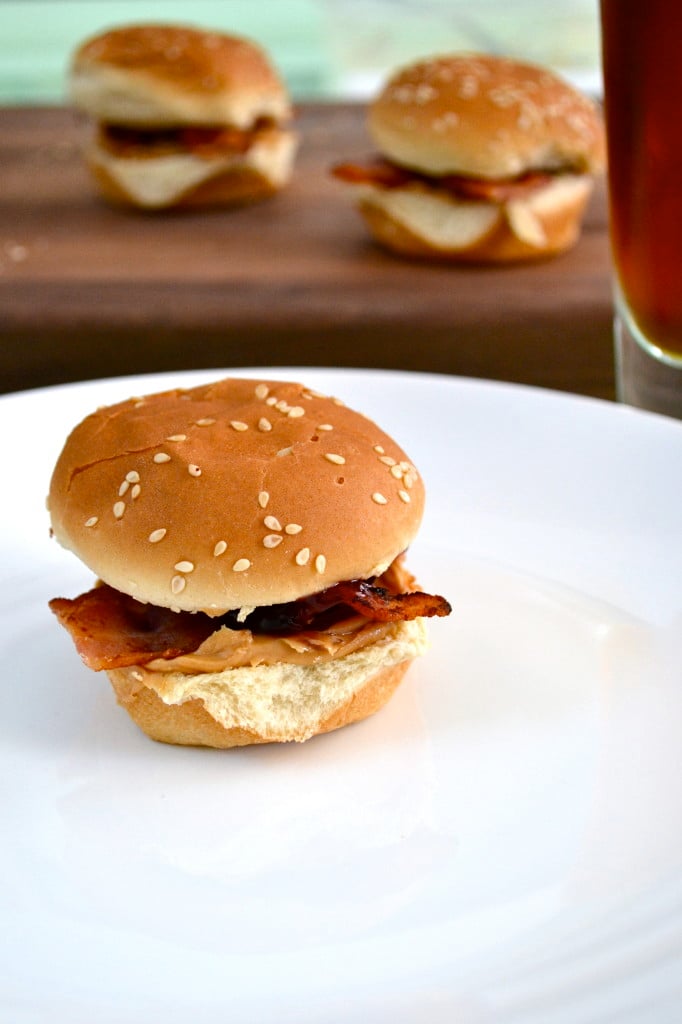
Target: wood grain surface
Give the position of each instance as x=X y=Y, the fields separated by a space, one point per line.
x=89 y=291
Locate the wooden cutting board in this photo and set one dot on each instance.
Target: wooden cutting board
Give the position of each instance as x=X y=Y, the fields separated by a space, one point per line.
x=89 y=291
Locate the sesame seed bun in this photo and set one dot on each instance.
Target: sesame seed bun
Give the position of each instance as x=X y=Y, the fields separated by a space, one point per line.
x=168 y=75
x=485 y=117
x=169 y=84
x=236 y=494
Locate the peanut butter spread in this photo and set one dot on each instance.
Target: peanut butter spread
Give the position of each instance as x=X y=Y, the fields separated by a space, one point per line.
x=229 y=648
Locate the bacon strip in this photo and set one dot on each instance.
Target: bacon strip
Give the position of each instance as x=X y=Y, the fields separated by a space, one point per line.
x=202 y=141
x=387 y=175
x=113 y=630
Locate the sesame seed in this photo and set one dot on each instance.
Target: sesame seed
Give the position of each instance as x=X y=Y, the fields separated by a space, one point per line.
x=193 y=470
x=156 y=535
x=271 y=400
x=397 y=472
x=123 y=488
x=161 y=457
x=424 y=92
x=263 y=499
x=401 y=93
x=404 y=496
x=408 y=480
x=468 y=87
x=272 y=523
x=92 y=521
x=320 y=563
x=207 y=422
x=378 y=449
x=135 y=493
x=177 y=437
x=261 y=391
x=271 y=540
x=264 y=424
x=379 y=498
x=338 y=460
x=387 y=460
x=241 y=565
x=219 y=549
x=184 y=566
x=285 y=451
x=119 y=509
x=133 y=477
x=178 y=584
x=292 y=528
x=296 y=412
x=325 y=426
x=239 y=425
x=282 y=405
x=303 y=556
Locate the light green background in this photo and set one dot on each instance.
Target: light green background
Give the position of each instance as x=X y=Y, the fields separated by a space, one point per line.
x=324 y=48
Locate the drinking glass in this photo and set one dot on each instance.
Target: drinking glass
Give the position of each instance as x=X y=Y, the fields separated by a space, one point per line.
x=642 y=66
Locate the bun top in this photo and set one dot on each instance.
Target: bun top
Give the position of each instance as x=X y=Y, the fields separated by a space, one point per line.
x=485 y=117
x=236 y=494
x=170 y=75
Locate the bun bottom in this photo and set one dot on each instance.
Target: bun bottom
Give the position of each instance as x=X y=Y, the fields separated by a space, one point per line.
x=190 y=724
x=180 y=178
x=434 y=227
x=236 y=187
x=270 y=703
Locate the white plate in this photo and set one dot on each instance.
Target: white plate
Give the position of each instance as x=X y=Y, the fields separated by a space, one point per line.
x=503 y=843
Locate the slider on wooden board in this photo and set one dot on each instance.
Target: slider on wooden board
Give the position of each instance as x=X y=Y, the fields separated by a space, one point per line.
x=479 y=159
x=182 y=117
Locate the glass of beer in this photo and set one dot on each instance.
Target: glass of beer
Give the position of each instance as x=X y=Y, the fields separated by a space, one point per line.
x=642 y=87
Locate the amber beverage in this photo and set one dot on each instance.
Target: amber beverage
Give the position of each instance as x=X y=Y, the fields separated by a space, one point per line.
x=643 y=81
x=641 y=42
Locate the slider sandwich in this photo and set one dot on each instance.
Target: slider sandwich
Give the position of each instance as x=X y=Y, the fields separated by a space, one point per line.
x=247 y=538
x=182 y=117
x=479 y=159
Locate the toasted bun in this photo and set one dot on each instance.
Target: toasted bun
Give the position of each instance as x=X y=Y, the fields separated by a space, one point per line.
x=236 y=494
x=185 y=179
x=168 y=75
x=430 y=224
x=278 y=703
x=485 y=117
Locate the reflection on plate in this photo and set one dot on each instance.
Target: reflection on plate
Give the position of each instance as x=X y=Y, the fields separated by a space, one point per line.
x=502 y=843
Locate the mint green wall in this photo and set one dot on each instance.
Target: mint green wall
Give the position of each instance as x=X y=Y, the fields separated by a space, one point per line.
x=36 y=38
x=324 y=48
